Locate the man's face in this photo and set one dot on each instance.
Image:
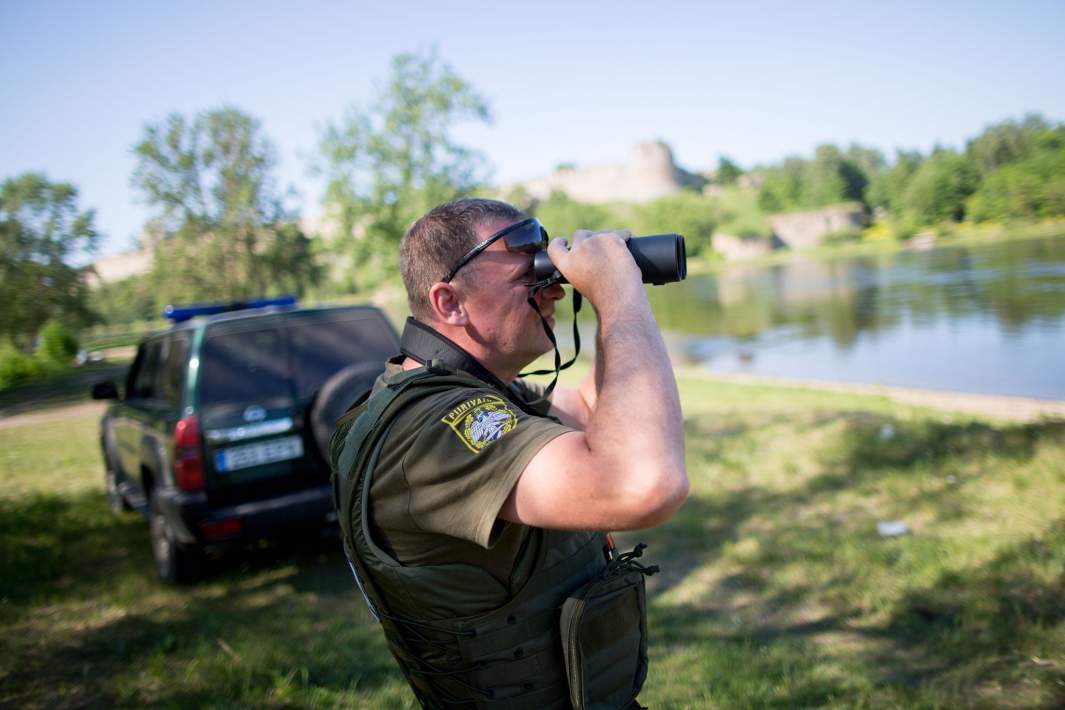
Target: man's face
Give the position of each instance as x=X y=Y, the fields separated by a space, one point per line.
x=495 y=293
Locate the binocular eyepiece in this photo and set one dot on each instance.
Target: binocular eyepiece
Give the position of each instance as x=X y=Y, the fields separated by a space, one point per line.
x=661 y=257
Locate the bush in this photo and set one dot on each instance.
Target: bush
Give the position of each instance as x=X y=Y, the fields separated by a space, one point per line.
x=17 y=366
x=57 y=345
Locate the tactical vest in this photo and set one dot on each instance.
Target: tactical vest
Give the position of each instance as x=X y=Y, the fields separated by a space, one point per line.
x=573 y=635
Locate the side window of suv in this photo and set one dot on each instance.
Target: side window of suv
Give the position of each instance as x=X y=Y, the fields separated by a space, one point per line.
x=145 y=376
x=172 y=372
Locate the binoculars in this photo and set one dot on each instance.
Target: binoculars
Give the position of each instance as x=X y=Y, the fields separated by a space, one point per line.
x=661 y=257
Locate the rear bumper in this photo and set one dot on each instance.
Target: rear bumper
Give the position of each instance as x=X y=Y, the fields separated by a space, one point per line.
x=189 y=512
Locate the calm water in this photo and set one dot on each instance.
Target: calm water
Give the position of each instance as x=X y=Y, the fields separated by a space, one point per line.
x=976 y=319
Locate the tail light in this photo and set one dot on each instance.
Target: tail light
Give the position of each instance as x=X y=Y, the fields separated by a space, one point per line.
x=188 y=460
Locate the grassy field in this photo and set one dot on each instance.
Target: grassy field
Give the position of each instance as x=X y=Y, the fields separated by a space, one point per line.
x=776 y=590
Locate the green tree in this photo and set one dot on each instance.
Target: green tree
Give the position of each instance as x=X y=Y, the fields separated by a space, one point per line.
x=42 y=232
x=782 y=188
x=870 y=164
x=387 y=164
x=728 y=172
x=887 y=188
x=1033 y=188
x=1009 y=141
x=829 y=178
x=130 y=299
x=940 y=187
x=220 y=230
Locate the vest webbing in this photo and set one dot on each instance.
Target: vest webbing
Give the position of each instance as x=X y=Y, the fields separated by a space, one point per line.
x=509 y=657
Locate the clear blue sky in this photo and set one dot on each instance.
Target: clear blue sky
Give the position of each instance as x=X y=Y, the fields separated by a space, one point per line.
x=567 y=82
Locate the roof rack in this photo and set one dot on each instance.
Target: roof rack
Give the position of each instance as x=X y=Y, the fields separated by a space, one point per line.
x=178 y=314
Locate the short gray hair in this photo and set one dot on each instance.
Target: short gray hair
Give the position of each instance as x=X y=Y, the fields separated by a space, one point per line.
x=439 y=239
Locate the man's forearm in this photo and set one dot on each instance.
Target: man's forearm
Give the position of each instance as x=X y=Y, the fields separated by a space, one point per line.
x=637 y=420
x=593 y=381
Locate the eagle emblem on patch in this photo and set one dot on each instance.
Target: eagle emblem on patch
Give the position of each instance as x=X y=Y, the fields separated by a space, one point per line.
x=480 y=421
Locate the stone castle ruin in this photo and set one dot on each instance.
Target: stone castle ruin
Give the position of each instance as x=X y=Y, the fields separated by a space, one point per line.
x=650 y=173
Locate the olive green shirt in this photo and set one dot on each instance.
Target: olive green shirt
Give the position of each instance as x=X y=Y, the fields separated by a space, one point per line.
x=447 y=466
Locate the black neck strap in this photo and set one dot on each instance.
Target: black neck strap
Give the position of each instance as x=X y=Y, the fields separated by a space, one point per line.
x=423 y=344
x=559 y=367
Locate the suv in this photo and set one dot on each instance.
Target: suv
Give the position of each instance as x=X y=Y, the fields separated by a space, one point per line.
x=221 y=431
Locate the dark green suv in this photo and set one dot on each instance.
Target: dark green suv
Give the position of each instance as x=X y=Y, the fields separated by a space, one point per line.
x=221 y=431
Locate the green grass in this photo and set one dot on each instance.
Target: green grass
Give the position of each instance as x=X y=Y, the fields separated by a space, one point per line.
x=776 y=591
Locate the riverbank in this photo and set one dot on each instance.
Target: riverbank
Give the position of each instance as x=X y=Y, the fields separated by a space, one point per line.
x=996 y=407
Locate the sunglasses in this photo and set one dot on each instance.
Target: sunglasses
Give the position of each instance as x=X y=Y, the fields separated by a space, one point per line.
x=525 y=237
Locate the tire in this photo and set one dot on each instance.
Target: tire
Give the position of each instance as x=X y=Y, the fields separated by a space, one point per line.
x=335 y=396
x=115 y=500
x=175 y=563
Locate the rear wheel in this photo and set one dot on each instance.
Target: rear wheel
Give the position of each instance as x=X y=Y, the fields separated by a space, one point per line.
x=175 y=562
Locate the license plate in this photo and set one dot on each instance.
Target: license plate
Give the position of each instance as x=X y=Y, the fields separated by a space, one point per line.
x=237 y=457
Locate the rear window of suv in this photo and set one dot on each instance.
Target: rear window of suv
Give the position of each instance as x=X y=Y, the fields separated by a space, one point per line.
x=256 y=362
x=245 y=365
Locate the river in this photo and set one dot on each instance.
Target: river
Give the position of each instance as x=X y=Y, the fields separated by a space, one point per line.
x=986 y=318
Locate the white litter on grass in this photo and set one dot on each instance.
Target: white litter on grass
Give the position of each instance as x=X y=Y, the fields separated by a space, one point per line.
x=892 y=528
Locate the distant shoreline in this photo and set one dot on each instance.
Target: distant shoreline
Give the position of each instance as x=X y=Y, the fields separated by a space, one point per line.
x=1005 y=407
x=958 y=235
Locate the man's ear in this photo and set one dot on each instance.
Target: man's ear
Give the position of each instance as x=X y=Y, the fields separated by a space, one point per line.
x=447 y=304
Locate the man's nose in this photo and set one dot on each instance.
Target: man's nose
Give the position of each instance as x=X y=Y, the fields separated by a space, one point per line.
x=554 y=292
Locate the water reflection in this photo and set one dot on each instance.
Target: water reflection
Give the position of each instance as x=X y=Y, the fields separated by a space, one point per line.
x=986 y=318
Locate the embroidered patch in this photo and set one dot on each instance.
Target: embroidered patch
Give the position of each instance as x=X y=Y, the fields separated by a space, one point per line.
x=480 y=421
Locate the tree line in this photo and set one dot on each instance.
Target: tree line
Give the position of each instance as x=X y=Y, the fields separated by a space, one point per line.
x=1013 y=170
x=221 y=228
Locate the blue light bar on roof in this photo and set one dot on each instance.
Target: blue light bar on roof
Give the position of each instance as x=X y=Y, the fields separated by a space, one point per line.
x=184 y=313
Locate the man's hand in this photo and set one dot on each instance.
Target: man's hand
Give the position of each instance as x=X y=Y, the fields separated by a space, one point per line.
x=599 y=265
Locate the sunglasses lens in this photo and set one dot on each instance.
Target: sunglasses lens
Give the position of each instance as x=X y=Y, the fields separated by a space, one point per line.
x=529 y=237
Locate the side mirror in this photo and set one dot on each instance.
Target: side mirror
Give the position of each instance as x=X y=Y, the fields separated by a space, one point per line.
x=105 y=390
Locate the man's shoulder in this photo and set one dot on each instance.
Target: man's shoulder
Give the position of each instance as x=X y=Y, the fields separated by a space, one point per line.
x=449 y=405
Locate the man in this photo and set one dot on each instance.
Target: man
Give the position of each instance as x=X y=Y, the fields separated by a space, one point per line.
x=459 y=493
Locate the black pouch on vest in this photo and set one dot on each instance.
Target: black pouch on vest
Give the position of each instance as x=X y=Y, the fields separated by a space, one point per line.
x=604 y=639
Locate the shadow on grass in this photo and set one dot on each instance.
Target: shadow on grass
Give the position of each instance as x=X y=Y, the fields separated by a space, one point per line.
x=51 y=545
x=805 y=576
x=981 y=620
x=873 y=443
x=85 y=622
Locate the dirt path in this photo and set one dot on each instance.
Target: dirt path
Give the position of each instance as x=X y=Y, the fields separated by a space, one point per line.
x=53 y=414
x=1019 y=409
x=58 y=399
